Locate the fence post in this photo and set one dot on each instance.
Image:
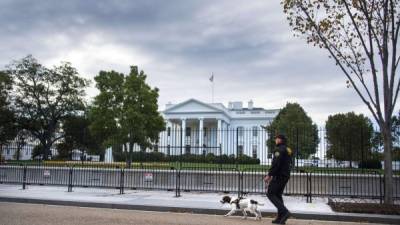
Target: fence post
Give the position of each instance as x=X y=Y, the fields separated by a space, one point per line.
x=380 y=189
x=70 y=179
x=122 y=182
x=178 y=183
x=297 y=148
x=309 y=187
x=220 y=156
x=240 y=184
x=181 y=149
x=24 y=178
x=383 y=189
x=237 y=148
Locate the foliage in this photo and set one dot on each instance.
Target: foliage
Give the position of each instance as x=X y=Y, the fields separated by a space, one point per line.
x=20 y=141
x=8 y=128
x=44 y=97
x=38 y=152
x=370 y=164
x=77 y=135
x=192 y=158
x=361 y=36
x=64 y=150
x=396 y=153
x=125 y=111
x=349 y=137
x=301 y=132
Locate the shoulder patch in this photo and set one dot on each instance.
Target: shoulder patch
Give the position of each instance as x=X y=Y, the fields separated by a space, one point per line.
x=276 y=154
x=289 y=151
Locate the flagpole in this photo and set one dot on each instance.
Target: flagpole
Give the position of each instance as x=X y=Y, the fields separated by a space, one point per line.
x=212 y=87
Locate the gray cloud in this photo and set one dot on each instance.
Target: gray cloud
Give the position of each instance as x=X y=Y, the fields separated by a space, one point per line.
x=247 y=45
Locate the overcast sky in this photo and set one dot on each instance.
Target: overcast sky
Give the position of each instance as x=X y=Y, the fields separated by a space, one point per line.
x=247 y=45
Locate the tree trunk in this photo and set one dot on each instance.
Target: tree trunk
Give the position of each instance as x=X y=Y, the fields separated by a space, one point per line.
x=130 y=152
x=46 y=151
x=387 y=143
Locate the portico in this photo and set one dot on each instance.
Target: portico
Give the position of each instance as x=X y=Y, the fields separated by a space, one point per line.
x=201 y=128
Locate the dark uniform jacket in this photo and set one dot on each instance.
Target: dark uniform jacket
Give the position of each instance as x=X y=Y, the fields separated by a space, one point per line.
x=281 y=162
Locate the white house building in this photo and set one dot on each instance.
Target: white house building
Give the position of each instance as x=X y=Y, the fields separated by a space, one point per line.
x=213 y=128
x=195 y=127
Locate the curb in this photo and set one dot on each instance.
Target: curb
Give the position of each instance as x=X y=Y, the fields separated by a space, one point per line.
x=342 y=217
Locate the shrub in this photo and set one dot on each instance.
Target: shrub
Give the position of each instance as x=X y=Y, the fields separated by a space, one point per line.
x=188 y=158
x=370 y=164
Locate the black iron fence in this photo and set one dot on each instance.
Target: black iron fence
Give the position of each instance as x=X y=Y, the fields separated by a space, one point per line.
x=225 y=160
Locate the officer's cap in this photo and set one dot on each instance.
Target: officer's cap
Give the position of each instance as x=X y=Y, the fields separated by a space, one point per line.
x=281 y=136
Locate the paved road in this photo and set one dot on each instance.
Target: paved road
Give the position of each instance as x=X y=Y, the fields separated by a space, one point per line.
x=35 y=214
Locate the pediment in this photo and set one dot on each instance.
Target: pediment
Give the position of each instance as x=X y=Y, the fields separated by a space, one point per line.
x=192 y=105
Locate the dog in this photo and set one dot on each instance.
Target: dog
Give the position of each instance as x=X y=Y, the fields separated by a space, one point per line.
x=242 y=204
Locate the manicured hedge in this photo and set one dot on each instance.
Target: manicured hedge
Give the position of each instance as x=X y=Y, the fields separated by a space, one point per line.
x=370 y=164
x=208 y=158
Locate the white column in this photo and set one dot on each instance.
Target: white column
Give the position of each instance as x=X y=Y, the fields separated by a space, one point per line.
x=224 y=137
x=183 y=127
x=173 y=134
x=201 y=125
x=169 y=138
x=219 y=132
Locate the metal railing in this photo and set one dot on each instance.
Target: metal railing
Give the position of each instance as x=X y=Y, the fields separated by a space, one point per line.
x=229 y=160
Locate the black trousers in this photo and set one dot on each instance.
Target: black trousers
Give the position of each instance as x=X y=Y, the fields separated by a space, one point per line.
x=275 y=192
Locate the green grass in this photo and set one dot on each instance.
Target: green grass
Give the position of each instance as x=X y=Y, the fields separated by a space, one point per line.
x=197 y=166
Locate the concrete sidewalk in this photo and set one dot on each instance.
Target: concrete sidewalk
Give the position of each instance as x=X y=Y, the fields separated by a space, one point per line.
x=194 y=202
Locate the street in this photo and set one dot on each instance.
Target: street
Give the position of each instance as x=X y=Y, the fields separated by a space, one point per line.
x=36 y=214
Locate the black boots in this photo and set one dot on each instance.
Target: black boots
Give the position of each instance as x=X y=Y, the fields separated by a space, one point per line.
x=281 y=219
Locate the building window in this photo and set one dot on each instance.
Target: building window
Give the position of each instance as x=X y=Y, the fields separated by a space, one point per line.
x=254 y=151
x=240 y=150
x=255 y=131
x=169 y=131
x=8 y=151
x=205 y=131
x=188 y=131
x=240 y=131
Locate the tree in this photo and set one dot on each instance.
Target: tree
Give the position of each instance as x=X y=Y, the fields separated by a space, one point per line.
x=8 y=128
x=45 y=97
x=300 y=130
x=361 y=36
x=126 y=111
x=396 y=128
x=77 y=135
x=20 y=141
x=349 y=137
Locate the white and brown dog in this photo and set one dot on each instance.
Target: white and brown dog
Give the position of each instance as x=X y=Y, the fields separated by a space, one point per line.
x=242 y=204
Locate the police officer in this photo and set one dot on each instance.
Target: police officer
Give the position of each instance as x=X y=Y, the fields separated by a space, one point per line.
x=278 y=176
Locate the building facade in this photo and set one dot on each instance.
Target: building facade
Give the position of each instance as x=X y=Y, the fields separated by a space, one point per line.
x=195 y=127
x=203 y=128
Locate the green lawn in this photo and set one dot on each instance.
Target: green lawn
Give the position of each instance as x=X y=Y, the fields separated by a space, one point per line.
x=197 y=166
